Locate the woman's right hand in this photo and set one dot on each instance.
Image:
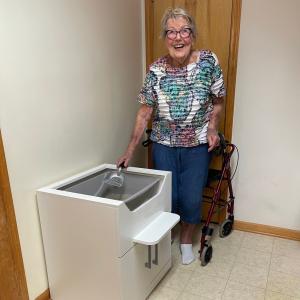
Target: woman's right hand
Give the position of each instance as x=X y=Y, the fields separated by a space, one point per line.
x=124 y=159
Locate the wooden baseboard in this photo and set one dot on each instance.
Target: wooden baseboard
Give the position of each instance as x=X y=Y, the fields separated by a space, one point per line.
x=267 y=230
x=44 y=296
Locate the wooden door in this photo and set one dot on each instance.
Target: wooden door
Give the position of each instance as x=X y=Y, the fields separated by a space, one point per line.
x=12 y=276
x=218 y=30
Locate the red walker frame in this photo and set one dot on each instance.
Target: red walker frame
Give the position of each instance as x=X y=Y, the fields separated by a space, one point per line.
x=226 y=149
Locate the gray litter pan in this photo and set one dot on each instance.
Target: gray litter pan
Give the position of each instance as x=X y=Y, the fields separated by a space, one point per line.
x=137 y=188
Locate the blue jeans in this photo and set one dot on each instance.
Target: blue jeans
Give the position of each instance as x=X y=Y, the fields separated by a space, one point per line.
x=189 y=167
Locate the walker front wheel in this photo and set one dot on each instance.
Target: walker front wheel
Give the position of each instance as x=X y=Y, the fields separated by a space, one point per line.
x=225 y=228
x=206 y=255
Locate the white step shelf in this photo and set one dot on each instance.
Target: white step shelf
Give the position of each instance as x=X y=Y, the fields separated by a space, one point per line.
x=157 y=229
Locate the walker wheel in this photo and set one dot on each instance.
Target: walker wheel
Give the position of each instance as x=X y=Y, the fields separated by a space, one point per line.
x=225 y=228
x=206 y=255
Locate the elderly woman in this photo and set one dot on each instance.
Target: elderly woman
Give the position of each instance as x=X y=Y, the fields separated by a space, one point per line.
x=183 y=93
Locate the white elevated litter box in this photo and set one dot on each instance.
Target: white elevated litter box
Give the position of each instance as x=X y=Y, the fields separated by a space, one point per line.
x=117 y=246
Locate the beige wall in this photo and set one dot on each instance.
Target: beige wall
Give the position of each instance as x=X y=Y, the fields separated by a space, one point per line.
x=266 y=118
x=70 y=72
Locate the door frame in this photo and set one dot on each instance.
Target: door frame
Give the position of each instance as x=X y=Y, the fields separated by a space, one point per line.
x=232 y=66
x=9 y=216
x=232 y=59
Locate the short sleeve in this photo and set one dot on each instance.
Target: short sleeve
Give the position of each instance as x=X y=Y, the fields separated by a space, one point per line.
x=147 y=93
x=217 y=87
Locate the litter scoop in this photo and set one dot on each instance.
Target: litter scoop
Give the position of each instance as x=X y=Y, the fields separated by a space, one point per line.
x=114 y=178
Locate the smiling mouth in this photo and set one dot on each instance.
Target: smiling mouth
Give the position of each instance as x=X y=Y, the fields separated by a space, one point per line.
x=178 y=46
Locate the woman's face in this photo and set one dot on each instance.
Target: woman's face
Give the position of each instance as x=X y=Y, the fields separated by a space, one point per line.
x=179 y=47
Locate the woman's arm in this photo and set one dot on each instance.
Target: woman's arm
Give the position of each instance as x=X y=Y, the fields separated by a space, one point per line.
x=142 y=118
x=213 y=125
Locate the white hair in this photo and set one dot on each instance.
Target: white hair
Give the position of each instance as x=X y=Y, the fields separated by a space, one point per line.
x=174 y=13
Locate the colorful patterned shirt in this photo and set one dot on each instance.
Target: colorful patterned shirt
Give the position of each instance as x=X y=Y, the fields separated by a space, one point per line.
x=182 y=99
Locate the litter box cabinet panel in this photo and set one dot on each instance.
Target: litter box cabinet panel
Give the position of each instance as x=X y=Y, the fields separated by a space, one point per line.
x=141 y=273
x=100 y=248
x=79 y=240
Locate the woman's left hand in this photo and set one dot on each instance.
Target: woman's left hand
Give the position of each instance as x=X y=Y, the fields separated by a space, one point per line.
x=213 y=139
